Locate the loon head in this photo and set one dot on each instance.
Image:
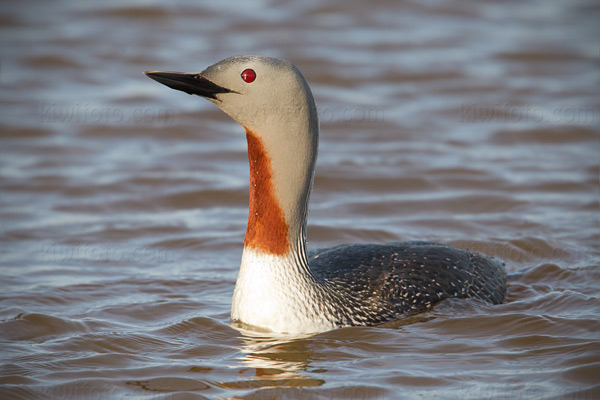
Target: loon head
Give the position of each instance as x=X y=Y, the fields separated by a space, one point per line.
x=260 y=93
x=271 y=99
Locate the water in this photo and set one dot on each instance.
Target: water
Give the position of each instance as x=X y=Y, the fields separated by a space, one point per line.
x=123 y=203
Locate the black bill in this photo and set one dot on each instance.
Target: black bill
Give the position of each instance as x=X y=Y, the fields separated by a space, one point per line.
x=188 y=83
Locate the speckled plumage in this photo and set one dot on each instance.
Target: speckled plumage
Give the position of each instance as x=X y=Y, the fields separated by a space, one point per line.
x=374 y=283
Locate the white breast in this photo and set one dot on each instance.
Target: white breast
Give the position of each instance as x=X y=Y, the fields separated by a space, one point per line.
x=270 y=293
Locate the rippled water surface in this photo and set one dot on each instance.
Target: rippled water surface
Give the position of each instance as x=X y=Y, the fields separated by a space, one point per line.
x=124 y=203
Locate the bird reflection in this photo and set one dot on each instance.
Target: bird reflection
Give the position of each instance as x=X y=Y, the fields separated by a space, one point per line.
x=278 y=360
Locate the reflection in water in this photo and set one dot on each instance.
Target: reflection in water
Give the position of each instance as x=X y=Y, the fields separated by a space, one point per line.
x=279 y=361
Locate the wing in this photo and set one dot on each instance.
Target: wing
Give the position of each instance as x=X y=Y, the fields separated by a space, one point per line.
x=386 y=281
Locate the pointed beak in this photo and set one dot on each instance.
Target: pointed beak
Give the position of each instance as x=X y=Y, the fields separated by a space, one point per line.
x=188 y=83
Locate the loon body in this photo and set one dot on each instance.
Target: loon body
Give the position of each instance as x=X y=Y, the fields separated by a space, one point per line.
x=282 y=288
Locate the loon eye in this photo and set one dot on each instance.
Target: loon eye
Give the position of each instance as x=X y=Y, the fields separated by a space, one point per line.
x=248 y=75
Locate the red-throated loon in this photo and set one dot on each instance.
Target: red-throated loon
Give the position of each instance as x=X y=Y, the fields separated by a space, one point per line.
x=281 y=287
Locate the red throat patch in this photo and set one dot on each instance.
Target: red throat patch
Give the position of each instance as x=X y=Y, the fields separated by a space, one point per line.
x=267 y=229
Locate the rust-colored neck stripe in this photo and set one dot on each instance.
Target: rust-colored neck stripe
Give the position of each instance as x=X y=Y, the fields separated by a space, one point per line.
x=267 y=229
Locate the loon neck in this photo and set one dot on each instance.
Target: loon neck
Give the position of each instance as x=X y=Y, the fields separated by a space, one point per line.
x=274 y=277
x=279 y=192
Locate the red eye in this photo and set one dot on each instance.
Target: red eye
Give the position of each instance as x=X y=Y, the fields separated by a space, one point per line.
x=248 y=75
